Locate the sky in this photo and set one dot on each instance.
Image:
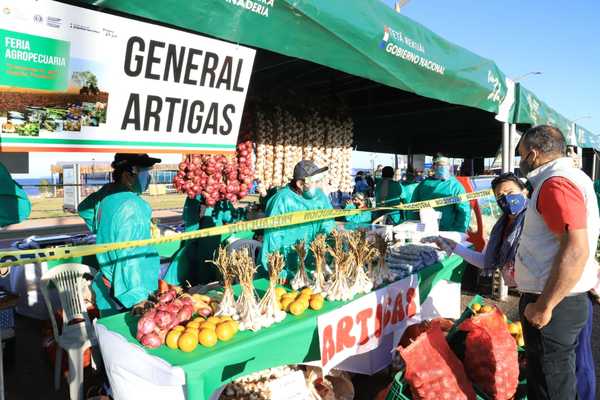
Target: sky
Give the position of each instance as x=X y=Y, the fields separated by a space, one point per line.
x=559 y=39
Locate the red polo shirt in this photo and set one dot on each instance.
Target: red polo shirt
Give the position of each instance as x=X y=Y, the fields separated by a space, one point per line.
x=562 y=205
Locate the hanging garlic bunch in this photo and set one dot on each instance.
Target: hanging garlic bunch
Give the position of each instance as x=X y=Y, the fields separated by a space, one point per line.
x=380 y=273
x=339 y=286
x=301 y=279
x=269 y=135
x=247 y=304
x=261 y=151
x=289 y=148
x=345 y=161
x=363 y=253
x=223 y=263
x=269 y=307
x=280 y=137
x=319 y=250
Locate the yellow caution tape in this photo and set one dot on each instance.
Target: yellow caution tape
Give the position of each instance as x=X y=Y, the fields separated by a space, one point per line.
x=20 y=257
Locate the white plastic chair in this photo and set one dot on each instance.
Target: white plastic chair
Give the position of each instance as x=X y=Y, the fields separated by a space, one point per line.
x=69 y=281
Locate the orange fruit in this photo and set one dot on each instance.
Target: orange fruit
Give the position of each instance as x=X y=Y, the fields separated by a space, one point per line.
x=179 y=328
x=199 y=319
x=297 y=307
x=308 y=291
x=285 y=303
x=279 y=291
x=294 y=293
x=214 y=320
x=486 y=309
x=476 y=307
x=207 y=325
x=317 y=296
x=173 y=338
x=225 y=331
x=193 y=325
x=316 y=303
x=191 y=331
x=234 y=325
x=513 y=329
x=187 y=342
x=207 y=337
x=224 y=318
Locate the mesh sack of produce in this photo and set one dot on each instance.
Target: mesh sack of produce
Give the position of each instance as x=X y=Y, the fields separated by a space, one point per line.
x=491 y=357
x=433 y=371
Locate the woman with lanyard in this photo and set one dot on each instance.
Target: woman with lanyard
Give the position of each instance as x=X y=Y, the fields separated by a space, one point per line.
x=500 y=253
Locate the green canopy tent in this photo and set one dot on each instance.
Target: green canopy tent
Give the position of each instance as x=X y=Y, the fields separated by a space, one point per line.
x=359 y=53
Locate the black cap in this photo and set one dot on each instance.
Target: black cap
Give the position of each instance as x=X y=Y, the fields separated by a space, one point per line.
x=134 y=160
x=307 y=168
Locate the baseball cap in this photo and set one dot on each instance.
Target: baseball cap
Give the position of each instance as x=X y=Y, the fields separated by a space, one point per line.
x=307 y=168
x=134 y=160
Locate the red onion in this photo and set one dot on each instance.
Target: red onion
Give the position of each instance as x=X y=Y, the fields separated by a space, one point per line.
x=146 y=325
x=163 y=319
x=184 y=314
x=166 y=298
x=151 y=340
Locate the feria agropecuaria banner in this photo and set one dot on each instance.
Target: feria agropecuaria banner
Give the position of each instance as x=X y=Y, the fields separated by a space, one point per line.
x=73 y=79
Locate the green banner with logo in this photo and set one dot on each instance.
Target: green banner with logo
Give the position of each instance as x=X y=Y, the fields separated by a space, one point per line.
x=33 y=62
x=362 y=38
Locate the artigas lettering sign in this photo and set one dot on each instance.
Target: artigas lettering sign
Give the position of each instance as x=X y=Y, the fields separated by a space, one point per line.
x=359 y=326
x=98 y=82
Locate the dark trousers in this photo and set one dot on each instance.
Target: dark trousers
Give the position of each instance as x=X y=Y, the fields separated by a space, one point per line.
x=551 y=350
x=584 y=364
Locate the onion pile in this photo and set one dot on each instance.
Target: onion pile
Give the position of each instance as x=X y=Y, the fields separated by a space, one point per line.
x=217 y=177
x=167 y=308
x=283 y=138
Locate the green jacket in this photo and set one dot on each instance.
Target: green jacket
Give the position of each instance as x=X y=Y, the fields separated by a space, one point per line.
x=14 y=204
x=132 y=272
x=88 y=208
x=283 y=239
x=407 y=191
x=357 y=220
x=455 y=217
x=394 y=197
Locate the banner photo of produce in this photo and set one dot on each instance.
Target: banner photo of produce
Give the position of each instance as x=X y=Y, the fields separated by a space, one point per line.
x=170 y=91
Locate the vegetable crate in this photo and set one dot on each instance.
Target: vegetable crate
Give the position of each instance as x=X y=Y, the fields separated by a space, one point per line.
x=400 y=389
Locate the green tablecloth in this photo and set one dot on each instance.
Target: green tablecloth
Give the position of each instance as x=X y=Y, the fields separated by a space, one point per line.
x=294 y=340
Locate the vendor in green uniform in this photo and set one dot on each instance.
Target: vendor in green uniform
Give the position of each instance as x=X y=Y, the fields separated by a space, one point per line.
x=455 y=217
x=303 y=193
x=117 y=213
x=14 y=204
x=358 y=202
x=409 y=184
x=388 y=193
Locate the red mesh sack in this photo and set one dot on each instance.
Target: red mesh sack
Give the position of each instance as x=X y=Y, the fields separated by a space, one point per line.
x=491 y=357
x=433 y=371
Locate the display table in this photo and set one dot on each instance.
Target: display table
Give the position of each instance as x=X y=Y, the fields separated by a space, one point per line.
x=293 y=341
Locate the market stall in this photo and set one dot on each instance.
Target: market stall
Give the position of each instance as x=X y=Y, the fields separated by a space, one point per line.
x=293 y=341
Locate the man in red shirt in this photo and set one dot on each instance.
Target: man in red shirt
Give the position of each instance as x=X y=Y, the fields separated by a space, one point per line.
x=555 y=265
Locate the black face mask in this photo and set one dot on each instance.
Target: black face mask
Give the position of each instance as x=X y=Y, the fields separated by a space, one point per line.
x=524 y=166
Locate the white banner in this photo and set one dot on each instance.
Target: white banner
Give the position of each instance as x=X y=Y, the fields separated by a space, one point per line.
x=72 y=79
x=359 y=326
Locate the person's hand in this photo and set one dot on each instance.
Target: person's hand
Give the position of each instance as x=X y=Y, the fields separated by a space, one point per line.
x=537 y=315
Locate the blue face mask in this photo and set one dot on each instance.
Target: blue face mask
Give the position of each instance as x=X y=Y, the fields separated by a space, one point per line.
x=310 y=193
x=142 y=181
x=512 y=204
x=442 y=172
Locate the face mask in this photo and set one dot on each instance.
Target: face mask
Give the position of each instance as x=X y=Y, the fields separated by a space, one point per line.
x=442 y=172
x=310 y=193
x=524 y=166
x=512 y=204
x=142 y=181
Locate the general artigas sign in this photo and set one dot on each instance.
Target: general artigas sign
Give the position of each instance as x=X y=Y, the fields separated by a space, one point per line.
x=72 y=79
x=359 y=326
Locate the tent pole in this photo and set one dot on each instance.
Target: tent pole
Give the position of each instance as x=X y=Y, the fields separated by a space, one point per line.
x=511 y=149
x=505 y=147
x=501 y=290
